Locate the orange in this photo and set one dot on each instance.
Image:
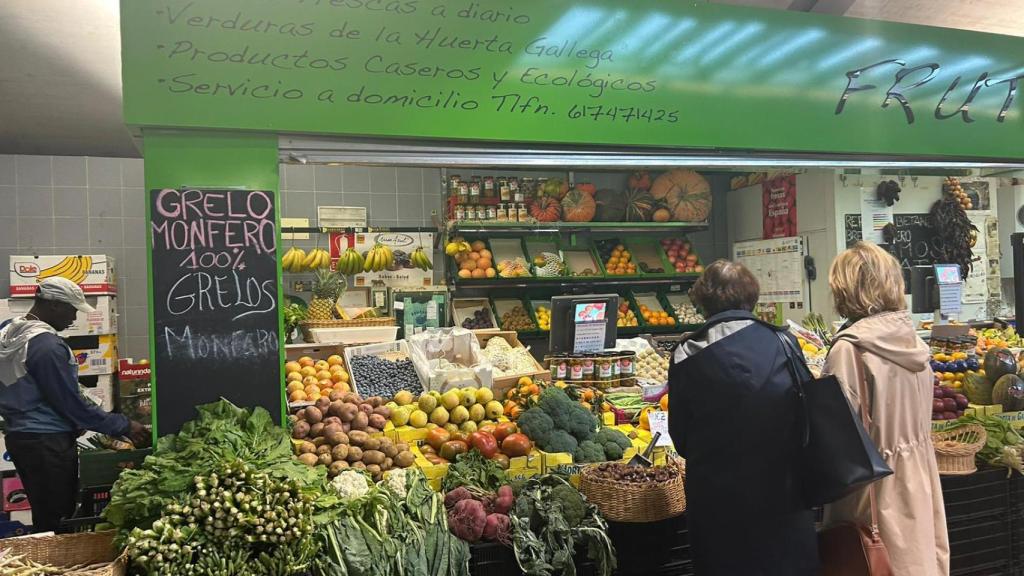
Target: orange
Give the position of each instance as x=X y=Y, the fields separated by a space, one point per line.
x=310 y=381
x=479 y=273
x=485 y=254
x=477 y=246
x=305 y=361
x=491 y=273
x=484 y=263
x=663 y=403
x=474 y=256
x=465 y=274
x=335 y=360
x=323 y=375
x=308 y=371
x=297 y=396
x=292 y=366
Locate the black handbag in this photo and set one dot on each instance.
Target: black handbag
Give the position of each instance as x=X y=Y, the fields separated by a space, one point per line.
x=838 y=456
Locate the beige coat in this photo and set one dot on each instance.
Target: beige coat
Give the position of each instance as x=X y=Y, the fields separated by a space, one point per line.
x=912 y=520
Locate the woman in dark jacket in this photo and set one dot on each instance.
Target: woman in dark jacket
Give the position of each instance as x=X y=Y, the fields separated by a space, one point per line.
x=733 y=416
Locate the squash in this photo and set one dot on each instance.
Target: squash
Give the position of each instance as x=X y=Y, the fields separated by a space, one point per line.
x=554 y=188
x=661 y=214
x=1009 y=392
x=546 y=209
x=611 y=206
x=999 y=362
x=578 y=206
x=640 y=179
x=978 y=389
x=639 y=205
x=586 y=188
x=686 y=194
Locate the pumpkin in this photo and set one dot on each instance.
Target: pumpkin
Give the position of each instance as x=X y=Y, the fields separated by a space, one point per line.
x=578 y=206
x=685 y=193
x=611 y=206
x=546 y=209
x=640 y=179
x=639 y=205
x=661 y=214
x=587 y=188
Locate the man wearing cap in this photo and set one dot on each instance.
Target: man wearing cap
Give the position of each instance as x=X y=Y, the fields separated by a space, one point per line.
x=42 y=407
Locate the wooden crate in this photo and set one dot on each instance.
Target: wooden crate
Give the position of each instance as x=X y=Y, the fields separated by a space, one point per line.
x=501 y=385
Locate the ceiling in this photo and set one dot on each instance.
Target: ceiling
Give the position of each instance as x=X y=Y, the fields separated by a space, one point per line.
x=60 y=77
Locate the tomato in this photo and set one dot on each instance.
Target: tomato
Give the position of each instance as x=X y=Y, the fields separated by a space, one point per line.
x=489 y=428
x=516 y=445
x=435 y=459
x=451 y=449
x=437 y=437
x=484 y=443
x=504 y=430
x=427 y=449
x=502 y=460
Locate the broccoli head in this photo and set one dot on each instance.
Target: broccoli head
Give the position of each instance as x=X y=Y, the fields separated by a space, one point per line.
x=567 y=414
x=613 y=451
x=589 y=452
x=536 y=424
x=606 y=435
x=573 y=507
x=559 y=441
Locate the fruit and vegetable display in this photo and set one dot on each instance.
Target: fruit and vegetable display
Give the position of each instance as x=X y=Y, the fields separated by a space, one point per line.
x=617 y=260
x=558 y=423
x=517 y=319
x=685 y=194
x=328 y=286
x=296 y=260
x=344 y=431
x=516 y=267
x=479 y=320
x=952 y=369
x=476 y=516
x=457 y=410
x=815 y=322
x=654 y=317
x=681 y=256
x=952 y=188
x=1004 y=445
x=687 y=313
x=526 y=395
x=621 y=472
x=309 y=380
x=997 y=338
x=474 y=260
x=650 y=365
x=543 y=318
x=626 y=318
x=947 y=403
x=548 y=265
x=384 y=375
x=508 y=361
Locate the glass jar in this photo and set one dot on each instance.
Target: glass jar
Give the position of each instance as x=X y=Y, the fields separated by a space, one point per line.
x=518 y=194
x=460 y=212
x=463 y=194
x=481 y=212
x=501 y=213
x=523 y=213
x=453 y=185
x=489 y=190
x=575 y=368
x=504 y=192
x=559 y=368
x=514 y=188
x=588 y=368
x=605 y=370
x=474 y=191
x=626 y=361
x=492 y=212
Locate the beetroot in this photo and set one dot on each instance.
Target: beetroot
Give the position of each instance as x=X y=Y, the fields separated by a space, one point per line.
x=455 y=496
x=505 y=500
x=467 y=519
x=497 y=528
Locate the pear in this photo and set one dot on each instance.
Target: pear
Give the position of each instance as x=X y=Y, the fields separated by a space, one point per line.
x=427 y=403
x=418 y=419
x=451 y=428
x=494 y=410
x=400 y=416
x=476 y=412
x=468 y=397
x=451 y=399
x=468 y=427
x=459 y=415
x=439 y=416
x=403 y=398
x=484 y=395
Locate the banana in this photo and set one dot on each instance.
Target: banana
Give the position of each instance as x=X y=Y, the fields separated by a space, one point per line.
x=368 y=263
x=59 y=269
x=288 y=258
x=299 y=258
x=80 y=270
x=310 y=259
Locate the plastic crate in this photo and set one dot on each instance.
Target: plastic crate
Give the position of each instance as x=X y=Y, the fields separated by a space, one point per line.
x=492 y=559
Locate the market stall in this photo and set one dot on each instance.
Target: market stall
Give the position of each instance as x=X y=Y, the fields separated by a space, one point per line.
x=347 y=395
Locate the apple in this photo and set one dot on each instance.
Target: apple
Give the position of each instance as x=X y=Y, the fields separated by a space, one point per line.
x=691 y=259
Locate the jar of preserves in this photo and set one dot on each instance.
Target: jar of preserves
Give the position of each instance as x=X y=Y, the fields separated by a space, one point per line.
x=463 y=193
x=460 y=212
x=528 y=187
x=453 y=185
x=523 y=213
x=474 y=191
x=518 y=193
x=559 y=367
x=491 y=212
x=504 y=192
x=605 y=370
x=627 y=358
x=481 y=212
x=588 y=368
x=514 y=187
x=501 y=213
x=489 y=190
x=575 y=368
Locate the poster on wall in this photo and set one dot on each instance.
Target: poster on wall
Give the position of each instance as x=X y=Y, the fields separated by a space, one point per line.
x=778 y=266
x=216 y=324
x=875 y=215
x=401 y=272
x=778 y=207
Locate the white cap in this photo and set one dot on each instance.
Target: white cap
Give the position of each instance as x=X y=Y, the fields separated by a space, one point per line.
x=61 y=289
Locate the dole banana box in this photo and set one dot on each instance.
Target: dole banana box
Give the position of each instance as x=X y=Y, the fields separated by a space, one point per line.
x=94 y=273
x=102 y=321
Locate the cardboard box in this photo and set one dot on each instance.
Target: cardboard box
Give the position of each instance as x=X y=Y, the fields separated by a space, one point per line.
x=1016 y=419
x=15 y=497
x=134 y=392
x=96 y=355
x=102 y=321
x=94 y=273
x=100 y=389
x=523 y=467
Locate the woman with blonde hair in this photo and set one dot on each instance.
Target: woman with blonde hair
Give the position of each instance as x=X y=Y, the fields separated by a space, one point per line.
x=880 y=345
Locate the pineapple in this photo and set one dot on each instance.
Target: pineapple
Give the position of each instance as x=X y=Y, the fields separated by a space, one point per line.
x=327 y=287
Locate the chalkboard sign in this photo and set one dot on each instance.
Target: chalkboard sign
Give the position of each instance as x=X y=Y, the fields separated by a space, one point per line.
x=914 y=241
x=215 y=302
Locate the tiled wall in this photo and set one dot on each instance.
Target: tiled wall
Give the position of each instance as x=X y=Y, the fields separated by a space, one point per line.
x=77 y=205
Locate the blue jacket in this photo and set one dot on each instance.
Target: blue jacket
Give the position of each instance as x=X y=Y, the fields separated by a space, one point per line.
x=43 y=396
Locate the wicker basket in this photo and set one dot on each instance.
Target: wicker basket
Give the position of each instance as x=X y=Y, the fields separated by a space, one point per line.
x=630 y=502
x=305 y=325
x=955 y=449
x=84 y=553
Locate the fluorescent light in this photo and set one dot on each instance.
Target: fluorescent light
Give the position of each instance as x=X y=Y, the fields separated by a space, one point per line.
x=797 y=42
x=738 y=38
x=849 y=52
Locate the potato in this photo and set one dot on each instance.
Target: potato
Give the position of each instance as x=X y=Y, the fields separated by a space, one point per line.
x=346 y=427
x=336 y=467
x=357 y=465
x=373 y=457
x=347 y=412
x=335 y=396
x=301 y=415
x=375 y=471
x=389 y=449
x=331 y=432
x=383 y=411
x=309 y=459
x=404 y=459
x=373 y=431
x=366 y=409
x=358 y=438
x=375 y=401
x=325 y=459
x=332 y=420
x=335 y=408
x=355 y=454
x=371 y=444
x=339 y=452
x=292 y=418
x=360 y=422
x=352 y=398
x=323 y=449
x=322 y=404
x=306 y=448
x=319 y=441
x=338 y=438
x=316 y=430
x=377 y=421
x=402 y=447
x=313 y=414
x=300 y=430
x=387 y=465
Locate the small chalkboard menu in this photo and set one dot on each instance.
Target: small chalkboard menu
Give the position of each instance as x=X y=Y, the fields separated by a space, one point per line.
x=914 y=241
x=215 y=301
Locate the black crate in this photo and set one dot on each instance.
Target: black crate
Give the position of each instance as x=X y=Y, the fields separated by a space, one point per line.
x=492 y=559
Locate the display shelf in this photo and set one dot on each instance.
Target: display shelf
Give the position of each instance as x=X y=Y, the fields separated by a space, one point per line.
x=570 y=282
x=487 y=227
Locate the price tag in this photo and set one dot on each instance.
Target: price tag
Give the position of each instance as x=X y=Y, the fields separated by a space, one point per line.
x=659 y=423
x=431 y=311
x=399 y=305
